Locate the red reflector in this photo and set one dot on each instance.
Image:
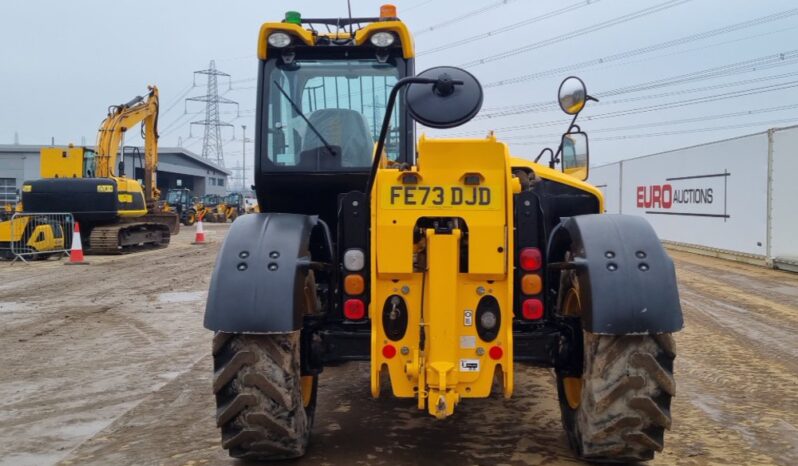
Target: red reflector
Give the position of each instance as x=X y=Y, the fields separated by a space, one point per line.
x=354 y=309
x=531 y=259
x=389 y=351
x=496 y=352
x=532 y=309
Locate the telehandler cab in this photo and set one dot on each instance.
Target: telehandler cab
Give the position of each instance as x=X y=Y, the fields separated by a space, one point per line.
x=443 y=262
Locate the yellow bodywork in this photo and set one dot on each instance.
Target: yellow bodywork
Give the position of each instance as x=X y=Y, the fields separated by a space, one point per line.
x=130 y=196
x=55 y=162
x=42 y=237
x=559 y=177
x=454 y=362
x=442 y=295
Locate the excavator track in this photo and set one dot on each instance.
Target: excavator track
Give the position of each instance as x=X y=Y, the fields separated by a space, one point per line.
x=123 y=238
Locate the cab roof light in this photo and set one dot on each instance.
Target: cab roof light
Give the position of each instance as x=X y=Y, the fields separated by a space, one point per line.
x=382 y=39
x=387 y=11
x=279 y=40
x=293 y=17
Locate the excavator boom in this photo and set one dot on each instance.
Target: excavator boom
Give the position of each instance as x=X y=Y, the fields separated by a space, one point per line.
x=111 y=136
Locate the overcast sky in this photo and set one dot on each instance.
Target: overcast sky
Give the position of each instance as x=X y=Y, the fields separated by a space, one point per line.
x=64 y=62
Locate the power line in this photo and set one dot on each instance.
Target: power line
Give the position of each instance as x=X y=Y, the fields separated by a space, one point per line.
x=178 y=99
x=651 y=108
x=682 y=121
x=463 y=17
x=648 y=49
x=418 y=5
x=579 y=32
x=746 y=66
x=680 y=132
x=511 y=27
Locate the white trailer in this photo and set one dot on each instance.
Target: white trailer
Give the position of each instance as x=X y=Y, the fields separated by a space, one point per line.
x=734 y=197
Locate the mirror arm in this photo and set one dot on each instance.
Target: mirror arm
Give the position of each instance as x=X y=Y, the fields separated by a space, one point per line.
x=543 y=152
x=386 y=121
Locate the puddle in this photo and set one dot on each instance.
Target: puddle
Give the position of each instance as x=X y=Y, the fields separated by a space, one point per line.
x=11 y=306
x=181 y=297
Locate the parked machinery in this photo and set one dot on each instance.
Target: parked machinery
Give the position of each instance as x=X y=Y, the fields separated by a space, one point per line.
x=233 y=206
x=181 y=201
x=442 y=262
x=30 y=235
x=116 y=213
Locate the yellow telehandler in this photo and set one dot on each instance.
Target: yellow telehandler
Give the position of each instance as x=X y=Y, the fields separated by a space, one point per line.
x=445 y=263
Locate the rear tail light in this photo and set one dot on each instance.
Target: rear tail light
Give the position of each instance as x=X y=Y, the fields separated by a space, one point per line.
x=354 y=285
x=532 y=309
x=354 y=309
x=531 y=259
x=496 y=352
x=354 y=260
x=531 y=284
x=389 y=351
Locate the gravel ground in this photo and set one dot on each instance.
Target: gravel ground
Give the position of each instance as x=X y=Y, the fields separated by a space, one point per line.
x=109 y=364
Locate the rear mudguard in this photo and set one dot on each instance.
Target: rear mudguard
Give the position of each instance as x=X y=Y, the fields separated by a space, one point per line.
x=258 y=283
x=627 y=280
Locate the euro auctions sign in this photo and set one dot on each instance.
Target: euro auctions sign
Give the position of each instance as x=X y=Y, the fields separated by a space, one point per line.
x=700 y=195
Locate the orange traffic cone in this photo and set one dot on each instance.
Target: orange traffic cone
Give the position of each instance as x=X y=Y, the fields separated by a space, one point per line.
x=76 y=253
x=199 y=236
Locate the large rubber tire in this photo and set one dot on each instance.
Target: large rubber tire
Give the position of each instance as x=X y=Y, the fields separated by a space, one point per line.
x=624 y=407
x=191 y=218
x=259 y=405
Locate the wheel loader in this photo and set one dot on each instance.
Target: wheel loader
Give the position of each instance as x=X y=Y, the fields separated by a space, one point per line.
x=181 y=202
x=448 y=264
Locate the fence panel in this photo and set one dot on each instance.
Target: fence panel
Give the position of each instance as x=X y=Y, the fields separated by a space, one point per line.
x=784 y=199
x=40 y=235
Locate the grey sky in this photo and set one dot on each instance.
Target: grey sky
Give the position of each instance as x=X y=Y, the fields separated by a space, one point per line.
x=63 y=63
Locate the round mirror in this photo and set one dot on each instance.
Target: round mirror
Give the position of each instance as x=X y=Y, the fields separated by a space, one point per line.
x=446 y=103
x=572 y=95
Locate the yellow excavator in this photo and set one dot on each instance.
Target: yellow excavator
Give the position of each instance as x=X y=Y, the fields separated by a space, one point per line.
x=116 y=214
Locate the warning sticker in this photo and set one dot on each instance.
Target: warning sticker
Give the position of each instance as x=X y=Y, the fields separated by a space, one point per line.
x=468 y=318
x=469 y=365
x=468 y=342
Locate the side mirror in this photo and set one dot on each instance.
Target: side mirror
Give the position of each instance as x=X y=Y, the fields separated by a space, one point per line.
x=572 y=95
x=452 y=100
x=575 y=155
x=441 y=97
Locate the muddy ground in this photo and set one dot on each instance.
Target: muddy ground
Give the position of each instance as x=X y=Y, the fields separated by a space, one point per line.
x=109 y=364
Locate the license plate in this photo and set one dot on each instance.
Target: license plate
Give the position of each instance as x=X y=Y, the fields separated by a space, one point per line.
x=439 y=197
